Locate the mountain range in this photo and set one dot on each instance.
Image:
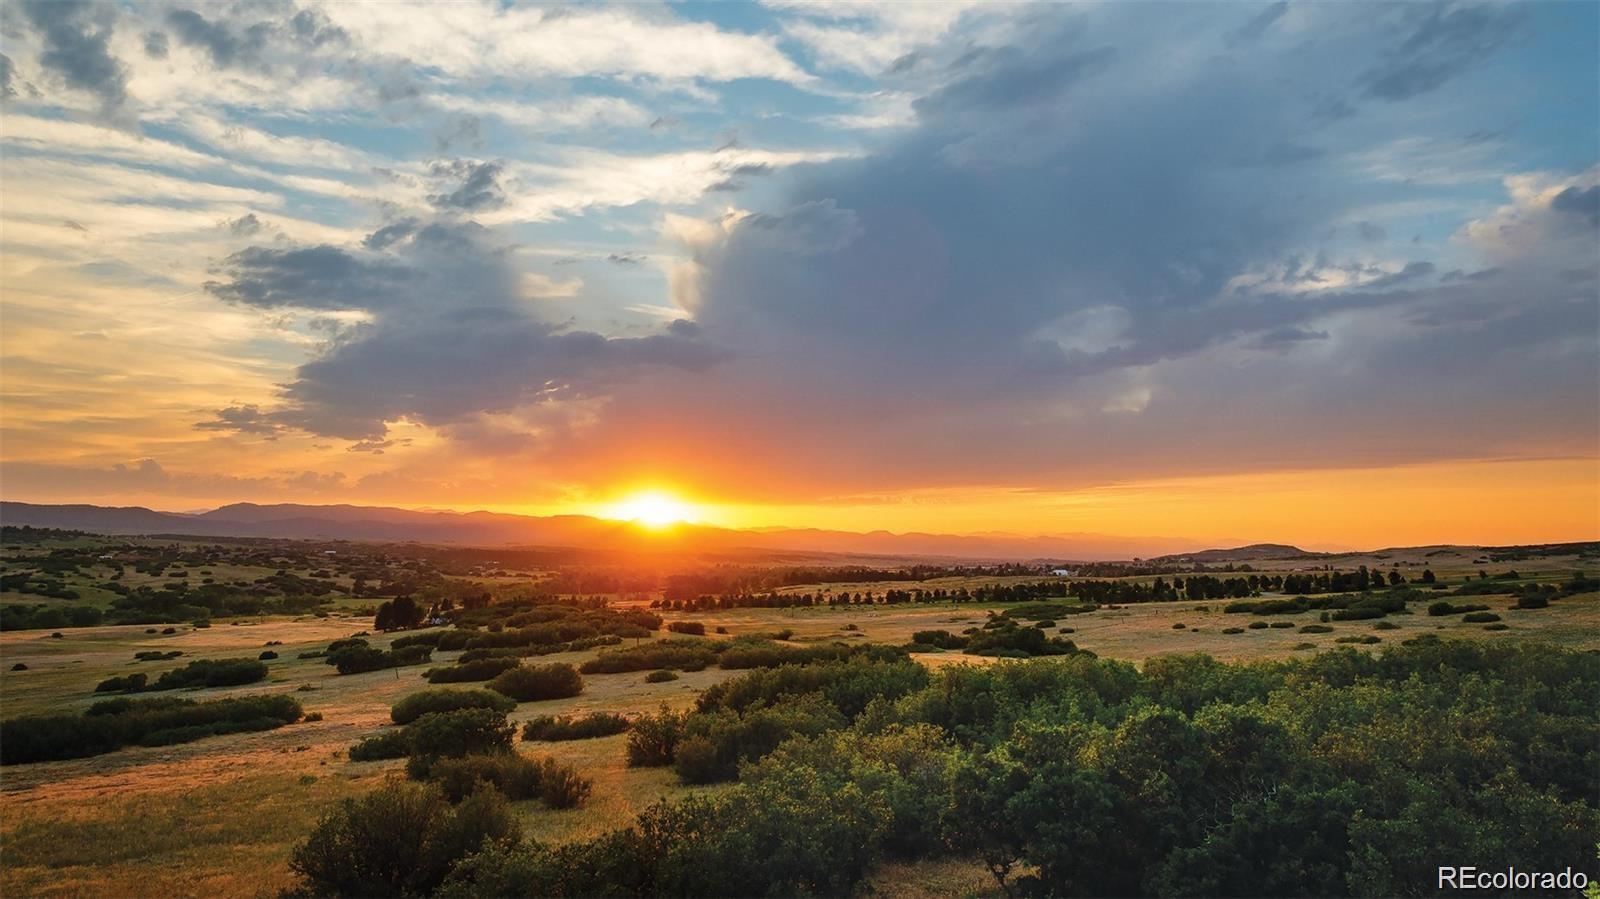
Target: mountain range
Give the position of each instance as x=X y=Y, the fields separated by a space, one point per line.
x=348 y=522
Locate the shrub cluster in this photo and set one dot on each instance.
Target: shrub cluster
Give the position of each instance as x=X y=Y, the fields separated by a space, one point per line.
x=574 y=727
x=424 y=702
x=682 y=655
x=401 y=839
x=1335 y=773
x=356 y=659
x=530 y=683
x=475 y=670
x=198 y=673
x=111 y=724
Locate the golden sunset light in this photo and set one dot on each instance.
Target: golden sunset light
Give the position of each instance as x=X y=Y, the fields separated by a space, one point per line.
x=509 y=449
x=653 y=509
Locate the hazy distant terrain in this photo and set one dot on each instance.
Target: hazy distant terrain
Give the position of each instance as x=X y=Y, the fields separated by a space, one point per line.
x=491 y=528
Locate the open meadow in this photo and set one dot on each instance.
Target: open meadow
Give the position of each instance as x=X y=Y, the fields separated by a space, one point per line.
x=220 y=815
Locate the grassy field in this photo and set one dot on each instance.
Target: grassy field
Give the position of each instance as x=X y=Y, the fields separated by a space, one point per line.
x=220 y=816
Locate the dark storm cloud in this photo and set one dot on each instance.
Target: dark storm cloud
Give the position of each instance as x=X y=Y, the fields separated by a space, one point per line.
x=242 y=420
x=1444 y=41
x=322 y=277
x=77 y=37
x=1015 y=78
x=449 y=337
x=1075 y=257
x=1289 y=335
x=1584 y=203
x=390 y=234
x=1411 y=272
x=217 y=38
x=479 y=186
x=239 y=44
x=246 y=225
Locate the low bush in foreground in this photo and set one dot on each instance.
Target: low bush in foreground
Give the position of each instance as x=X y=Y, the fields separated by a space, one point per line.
x=402 y=839
x=1340 y=773
x=111 y=724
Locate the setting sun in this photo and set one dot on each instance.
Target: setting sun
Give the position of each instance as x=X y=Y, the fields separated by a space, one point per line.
x=653 y=509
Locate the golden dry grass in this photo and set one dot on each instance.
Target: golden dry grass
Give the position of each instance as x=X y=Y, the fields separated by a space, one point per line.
x=218 y=817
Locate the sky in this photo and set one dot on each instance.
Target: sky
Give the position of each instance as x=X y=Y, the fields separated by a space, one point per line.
x=1314 y=272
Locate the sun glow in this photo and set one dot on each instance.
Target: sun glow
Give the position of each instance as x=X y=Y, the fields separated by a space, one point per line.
x=653 y=509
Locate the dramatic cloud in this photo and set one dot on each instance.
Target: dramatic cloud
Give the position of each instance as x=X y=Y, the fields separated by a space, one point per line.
x=795 y=250
x=76 y=40
x=446 y=335
x=479 y=186
x=1445 y=41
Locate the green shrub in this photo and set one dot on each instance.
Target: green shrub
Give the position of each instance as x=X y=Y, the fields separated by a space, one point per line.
x=714 y=743
x=459 y=732
x=660 y=677
x=560 y=786
x=400 y=839
x=1386 y=626
x=1257 y=625
x=212 y=673
x=1316 y=629
x=743 y=654
x=1281 y=625
x=1479 y=617
x=267 y=656
x=517 y=776
x=1233 y=630
x=386 y=744
x=687 y=627
x=130 y=683
x=113 y=723
x=352 y=659
x=156 y=655
x=532 y=683
x=1365 y=639
x=1445 y=608
x=682 y=655
x=653 y=739
x=584 y=727
x=940 y=638
x=448 y=699
x=1533 y=601
x=476 y=670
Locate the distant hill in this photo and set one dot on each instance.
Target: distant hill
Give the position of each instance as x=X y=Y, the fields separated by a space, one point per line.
x=1255 y=552
x=348 y=522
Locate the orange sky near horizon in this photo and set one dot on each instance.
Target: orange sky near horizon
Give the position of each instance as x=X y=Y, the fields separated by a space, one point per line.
x=1492 y=503
x=1471 y=502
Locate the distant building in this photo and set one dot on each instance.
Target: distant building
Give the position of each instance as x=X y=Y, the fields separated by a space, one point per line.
x=1064 y=572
